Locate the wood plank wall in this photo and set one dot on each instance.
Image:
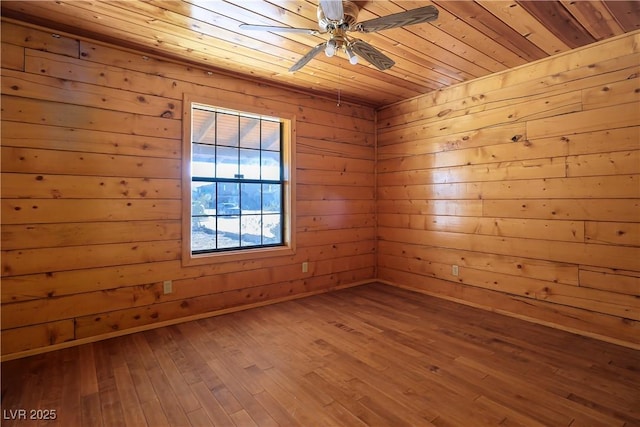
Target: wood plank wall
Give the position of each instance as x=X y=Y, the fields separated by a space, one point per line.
x=529 y=181
x=91 y=164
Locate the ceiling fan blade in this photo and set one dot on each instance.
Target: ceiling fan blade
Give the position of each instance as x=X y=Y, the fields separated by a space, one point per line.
x=308 y=57
x=401 y=19
x=371 y=54
x=332 y=9
x=279 y=29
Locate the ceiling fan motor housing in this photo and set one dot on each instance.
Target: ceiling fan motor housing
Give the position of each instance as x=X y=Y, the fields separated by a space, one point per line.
x=349 y=18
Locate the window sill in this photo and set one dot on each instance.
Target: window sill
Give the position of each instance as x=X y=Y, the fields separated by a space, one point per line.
x=189 y=259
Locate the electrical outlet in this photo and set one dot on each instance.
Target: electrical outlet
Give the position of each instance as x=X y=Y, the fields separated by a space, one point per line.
x=168 y=286
x=305 y=267
x=454 y=270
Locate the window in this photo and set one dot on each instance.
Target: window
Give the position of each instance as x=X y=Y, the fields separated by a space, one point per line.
x=239 y=190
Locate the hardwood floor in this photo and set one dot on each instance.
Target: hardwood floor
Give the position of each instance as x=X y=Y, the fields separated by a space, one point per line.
x=371 y=355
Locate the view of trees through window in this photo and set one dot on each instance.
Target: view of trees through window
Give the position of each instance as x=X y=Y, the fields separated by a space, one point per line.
x=236 y=181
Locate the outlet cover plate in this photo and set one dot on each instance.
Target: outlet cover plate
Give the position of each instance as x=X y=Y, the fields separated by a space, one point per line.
x=168 y=286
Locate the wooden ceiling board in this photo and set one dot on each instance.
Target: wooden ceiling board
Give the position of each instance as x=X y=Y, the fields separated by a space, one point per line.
x=483 y=43
x=626 y=13
x=595 y=17
x=517 y=17
x=470 y=39
x=560 y=21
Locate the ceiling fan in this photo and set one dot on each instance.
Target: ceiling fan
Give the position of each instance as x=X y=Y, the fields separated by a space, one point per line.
x=338 y=17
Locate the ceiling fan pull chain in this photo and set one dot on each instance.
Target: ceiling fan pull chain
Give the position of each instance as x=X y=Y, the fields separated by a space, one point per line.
x=339 y=79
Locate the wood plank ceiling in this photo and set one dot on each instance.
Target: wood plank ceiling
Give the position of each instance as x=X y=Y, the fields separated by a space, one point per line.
x=470 y=38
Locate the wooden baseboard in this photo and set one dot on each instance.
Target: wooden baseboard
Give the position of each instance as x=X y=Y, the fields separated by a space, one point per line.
x=80 y=341
x=577 y=321
x=623 y=332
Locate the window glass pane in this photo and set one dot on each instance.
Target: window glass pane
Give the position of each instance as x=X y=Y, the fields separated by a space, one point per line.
x=203 y=233
x=271 y=198
x=203 y=223
x=271 y=229
x=203 y=126
x=227 y=162
x=203 y=163
x=228 y=232
x=227 y=130
x=250 y=132
x=270 y=136
x=249 y=164
x=251 y=200
x=228 y=198
x=271 y=168
x=203 y=198
x=251 y=230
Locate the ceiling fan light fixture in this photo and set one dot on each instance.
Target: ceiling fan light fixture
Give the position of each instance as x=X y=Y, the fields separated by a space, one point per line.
x=353 y=58
x=330 y=49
